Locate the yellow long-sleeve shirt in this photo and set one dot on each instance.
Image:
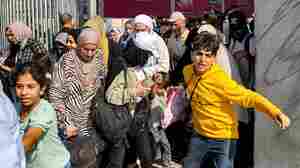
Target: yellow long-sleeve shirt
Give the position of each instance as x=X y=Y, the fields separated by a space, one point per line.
x=213 y=99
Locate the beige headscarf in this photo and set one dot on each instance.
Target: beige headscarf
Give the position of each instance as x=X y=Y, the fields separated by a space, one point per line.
x=97 y=23
x=88 y=35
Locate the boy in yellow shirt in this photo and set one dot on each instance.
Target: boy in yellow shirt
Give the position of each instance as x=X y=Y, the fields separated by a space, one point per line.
x=213 y=93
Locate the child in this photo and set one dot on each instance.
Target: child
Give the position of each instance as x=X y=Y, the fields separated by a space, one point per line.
x=212 y=95
x=158 y=99
x=38 y=121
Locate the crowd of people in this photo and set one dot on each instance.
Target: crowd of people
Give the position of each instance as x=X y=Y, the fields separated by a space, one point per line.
x=163 y=93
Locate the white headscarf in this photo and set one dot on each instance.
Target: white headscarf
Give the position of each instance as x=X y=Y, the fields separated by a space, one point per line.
x=146 y=41
x=144 y=19
x=209 y=28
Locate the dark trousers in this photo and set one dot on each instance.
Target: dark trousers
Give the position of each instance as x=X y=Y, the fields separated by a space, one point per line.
x=219 y=153
x=141 y=141
x=113 y=155
x=179 y=135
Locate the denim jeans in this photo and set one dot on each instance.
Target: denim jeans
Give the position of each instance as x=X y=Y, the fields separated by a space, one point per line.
x=218 y=153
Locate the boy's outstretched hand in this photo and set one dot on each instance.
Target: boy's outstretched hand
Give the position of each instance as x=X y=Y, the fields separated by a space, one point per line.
x=283 y=121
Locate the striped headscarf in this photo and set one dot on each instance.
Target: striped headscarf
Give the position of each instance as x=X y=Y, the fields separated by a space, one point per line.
x=21 y=31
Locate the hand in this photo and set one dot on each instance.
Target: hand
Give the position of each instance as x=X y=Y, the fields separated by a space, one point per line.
x=140 y=89
x=60 y=108
x=156 y=76
x=6 y=68
x=71 y=132
x=283 y=121
x=155 y=88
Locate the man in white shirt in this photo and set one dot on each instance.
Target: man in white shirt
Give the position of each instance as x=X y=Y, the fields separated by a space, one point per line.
x=11 y=148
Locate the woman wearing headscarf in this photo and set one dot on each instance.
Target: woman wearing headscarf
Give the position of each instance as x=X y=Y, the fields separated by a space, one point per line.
x=127 y=35
x=122 y=89
x=75 y=80
x=97 y=23
x=146 y=38
x=63 y=42
x=23 y=49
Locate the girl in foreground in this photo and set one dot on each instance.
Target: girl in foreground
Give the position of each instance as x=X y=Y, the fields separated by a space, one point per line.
x=38 y=121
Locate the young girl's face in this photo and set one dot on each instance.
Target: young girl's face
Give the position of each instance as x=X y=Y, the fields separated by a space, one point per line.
x=28 y=90
x=71 y=43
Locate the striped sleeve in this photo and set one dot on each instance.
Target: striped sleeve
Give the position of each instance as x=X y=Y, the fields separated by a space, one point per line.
x=57 y=95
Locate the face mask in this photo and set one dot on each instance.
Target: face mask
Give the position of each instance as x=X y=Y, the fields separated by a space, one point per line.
x=144 y=40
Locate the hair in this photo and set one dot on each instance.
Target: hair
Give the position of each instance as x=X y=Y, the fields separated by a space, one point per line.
x=130 y=21
x=37 y=73
x=6 y=29
x=84 y=153
x=42 y=61
x=239 y=17
x=73 y=32
x=65 y=18
x=165 y=78
x=206 y=41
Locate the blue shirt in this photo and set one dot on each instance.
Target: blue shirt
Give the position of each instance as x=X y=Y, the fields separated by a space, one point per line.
x=11 y=148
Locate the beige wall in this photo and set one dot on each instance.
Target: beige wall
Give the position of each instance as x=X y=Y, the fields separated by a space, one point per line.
x=278 y=77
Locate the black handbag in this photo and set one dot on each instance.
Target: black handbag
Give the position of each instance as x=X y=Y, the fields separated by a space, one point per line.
x=112 y=121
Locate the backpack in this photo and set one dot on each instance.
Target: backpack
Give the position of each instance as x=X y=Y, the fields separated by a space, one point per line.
x=246 y=63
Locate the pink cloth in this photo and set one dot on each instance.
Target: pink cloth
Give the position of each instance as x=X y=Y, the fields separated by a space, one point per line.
x=21 y=31
x=89 y=35
x=176 y=103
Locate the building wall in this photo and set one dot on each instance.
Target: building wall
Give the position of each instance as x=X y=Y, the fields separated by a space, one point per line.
x=41 y=15
x=131 y=8
x=278 y=77
x=247 y=6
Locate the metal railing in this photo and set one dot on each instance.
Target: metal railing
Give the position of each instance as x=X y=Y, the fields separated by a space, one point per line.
x=41 y=15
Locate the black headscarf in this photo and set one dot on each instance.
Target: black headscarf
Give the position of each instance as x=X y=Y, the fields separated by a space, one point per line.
x=135 y=56
x=121 y=59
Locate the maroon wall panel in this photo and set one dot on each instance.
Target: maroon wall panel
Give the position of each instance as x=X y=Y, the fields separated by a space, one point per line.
x=131 y=8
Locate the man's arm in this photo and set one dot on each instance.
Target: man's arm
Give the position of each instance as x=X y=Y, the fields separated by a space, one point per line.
x=6 y=68
x=236 y=93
